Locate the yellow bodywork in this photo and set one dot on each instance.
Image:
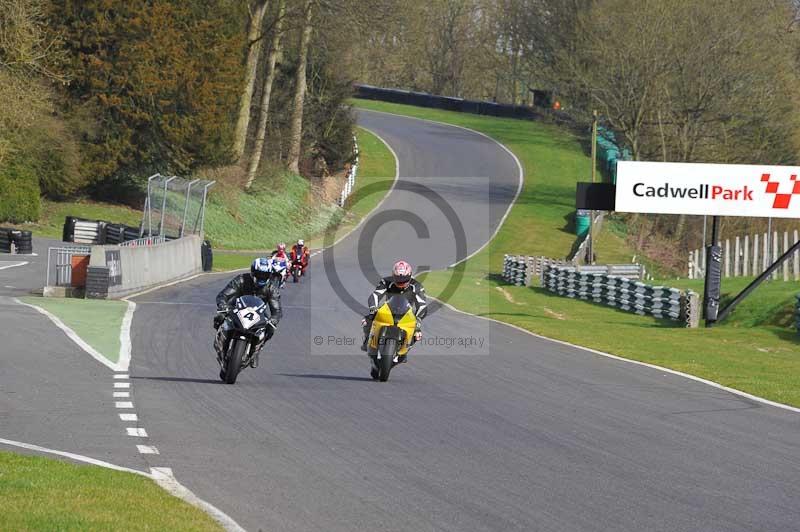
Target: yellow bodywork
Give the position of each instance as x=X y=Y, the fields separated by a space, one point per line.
x=384 y=318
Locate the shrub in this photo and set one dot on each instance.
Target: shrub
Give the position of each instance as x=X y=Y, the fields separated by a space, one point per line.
x=19 y=192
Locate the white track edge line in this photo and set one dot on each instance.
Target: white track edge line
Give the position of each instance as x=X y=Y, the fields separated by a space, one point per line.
x=73 y=456
x=72 y=335
x=13 y=265
x=125 y=337
x=164 y=478
x=161 y=476
x=630 y=361
x=520 y=176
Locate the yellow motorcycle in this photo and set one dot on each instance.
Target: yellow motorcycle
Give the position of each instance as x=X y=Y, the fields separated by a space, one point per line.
x=391 y=335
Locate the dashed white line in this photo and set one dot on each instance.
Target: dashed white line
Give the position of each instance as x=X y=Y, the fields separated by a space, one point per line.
x=147 y=449
x=122 y=385
x=129 y=417
x=123 y=404
x=122 y=376
x=135 y=431
x=122 y=394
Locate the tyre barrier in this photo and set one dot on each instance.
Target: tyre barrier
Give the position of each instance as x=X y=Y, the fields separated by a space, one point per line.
x=624 y=294
x=206 y=256
x=83 y=231
x=5 y=240
x=23 y=241
x=523 y=271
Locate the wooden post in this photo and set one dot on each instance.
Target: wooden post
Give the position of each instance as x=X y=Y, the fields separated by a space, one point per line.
x=746 y=256
x=765 y=258
x=755 y=254
x=736 y=257
x=691 y=265
x=774 y=257
x=727 y=258
x=786 y=262
x=796 y=261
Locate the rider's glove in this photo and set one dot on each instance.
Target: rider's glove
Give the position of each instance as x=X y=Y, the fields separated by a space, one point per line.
x=222 y=307
x=273 y=323
x=417 y=335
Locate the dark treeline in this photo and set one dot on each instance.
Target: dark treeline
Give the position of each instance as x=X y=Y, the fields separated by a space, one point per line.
x=98 y=94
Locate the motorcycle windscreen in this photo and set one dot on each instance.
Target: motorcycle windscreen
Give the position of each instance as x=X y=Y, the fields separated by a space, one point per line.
x=399 y=306
x=250 y=302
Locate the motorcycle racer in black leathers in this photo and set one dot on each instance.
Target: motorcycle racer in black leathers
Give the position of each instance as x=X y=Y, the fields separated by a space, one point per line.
x=400 y=282
x=261 y=282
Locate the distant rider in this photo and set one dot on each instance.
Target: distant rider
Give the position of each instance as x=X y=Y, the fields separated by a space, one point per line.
x=261 y=282
x=299 y=253
x=280 y=255
x=400 y=282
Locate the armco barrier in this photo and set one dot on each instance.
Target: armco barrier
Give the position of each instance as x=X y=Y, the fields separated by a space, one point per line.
x=624 y=294
x=422 y=99
x=118 y=271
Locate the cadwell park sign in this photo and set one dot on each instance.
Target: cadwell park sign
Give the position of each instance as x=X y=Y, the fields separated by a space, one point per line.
x=708 y=189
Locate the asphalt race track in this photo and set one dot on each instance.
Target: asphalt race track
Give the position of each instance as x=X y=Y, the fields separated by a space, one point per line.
x=486 y=428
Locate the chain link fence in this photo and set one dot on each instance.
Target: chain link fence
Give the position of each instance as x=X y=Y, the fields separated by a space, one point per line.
x=174 y=207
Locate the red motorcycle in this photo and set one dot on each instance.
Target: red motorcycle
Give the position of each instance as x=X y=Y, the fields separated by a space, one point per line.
x=298 y=270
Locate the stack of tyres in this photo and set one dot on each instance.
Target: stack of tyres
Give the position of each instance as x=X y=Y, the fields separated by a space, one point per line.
x=206 y=256
x=23 y=240
x=5 y=240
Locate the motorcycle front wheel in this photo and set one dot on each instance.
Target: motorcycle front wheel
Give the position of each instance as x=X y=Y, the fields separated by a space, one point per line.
x=388 y=350
x=233 y=363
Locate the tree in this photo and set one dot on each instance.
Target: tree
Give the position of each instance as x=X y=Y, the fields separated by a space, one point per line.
x=266 y=94
x=254 y=44
x=296 y=133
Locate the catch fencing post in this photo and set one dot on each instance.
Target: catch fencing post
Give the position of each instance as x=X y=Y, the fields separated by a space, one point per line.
x=736 y=257
x=164 y=206
x=186 y=205
x=203 y=208
x=148 y=211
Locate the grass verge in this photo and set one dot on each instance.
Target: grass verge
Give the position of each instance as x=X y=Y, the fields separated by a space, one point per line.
x=375 y=175
x=755 y=351
x=97 y=322
x=43 y=494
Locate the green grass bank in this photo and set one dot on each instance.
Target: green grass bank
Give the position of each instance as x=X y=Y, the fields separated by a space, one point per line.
x=97 y=322
x=375 y=175
x=43 y=494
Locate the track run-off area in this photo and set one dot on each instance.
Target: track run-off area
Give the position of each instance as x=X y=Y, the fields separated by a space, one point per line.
x=486 y=428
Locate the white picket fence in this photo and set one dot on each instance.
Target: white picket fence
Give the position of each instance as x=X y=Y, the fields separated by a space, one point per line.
x=351 y=177
x=748 y=256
